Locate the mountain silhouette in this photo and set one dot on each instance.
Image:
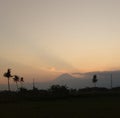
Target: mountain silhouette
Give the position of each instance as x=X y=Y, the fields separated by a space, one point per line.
x=104 y=79
x=64 y=77
x=69 y=80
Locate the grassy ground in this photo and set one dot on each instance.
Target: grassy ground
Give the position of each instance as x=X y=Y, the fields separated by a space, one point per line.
x=98 y=107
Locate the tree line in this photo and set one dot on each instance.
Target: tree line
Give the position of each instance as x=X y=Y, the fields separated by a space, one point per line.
x=53 y=92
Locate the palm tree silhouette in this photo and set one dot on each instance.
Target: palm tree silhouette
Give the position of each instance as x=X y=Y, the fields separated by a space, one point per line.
x=16 y=80
x=8 y=75
x=94 y=80
x=21 y=81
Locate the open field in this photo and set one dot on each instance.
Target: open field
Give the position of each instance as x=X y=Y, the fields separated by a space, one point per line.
x=86 y=107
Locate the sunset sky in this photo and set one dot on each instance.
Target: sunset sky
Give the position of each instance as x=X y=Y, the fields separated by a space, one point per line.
x=43 y=38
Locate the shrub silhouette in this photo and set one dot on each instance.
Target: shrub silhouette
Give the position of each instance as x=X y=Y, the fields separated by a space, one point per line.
x=59 y=90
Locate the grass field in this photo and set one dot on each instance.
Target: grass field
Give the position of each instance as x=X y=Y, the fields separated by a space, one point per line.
x=98 y=107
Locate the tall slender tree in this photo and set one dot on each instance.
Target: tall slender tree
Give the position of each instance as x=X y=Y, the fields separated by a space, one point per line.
x=111 y=81
x=8 y=75
x=94 y=80
x=16 y=80
x=21 y=81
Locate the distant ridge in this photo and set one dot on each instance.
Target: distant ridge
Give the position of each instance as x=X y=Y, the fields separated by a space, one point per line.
x=64 y=76
x=104 y=79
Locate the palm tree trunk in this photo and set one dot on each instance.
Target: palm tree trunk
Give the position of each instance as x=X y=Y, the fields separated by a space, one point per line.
x=8 y=84
x=95 y=85
x=17 y=86
x=21 y=84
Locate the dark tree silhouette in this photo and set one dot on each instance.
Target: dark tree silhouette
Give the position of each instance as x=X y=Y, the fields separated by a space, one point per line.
x=21 y=81
x=94 y=80
x=16 y=80
x=59 y=90
x=8 y=75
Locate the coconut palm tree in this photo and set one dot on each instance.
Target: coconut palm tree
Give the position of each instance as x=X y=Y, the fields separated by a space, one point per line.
x=16 y=80
x=94 y=80
x=21 y=81
x=8 y=75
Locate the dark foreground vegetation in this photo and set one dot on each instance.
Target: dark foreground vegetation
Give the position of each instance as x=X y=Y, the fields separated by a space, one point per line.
x=61 y=102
